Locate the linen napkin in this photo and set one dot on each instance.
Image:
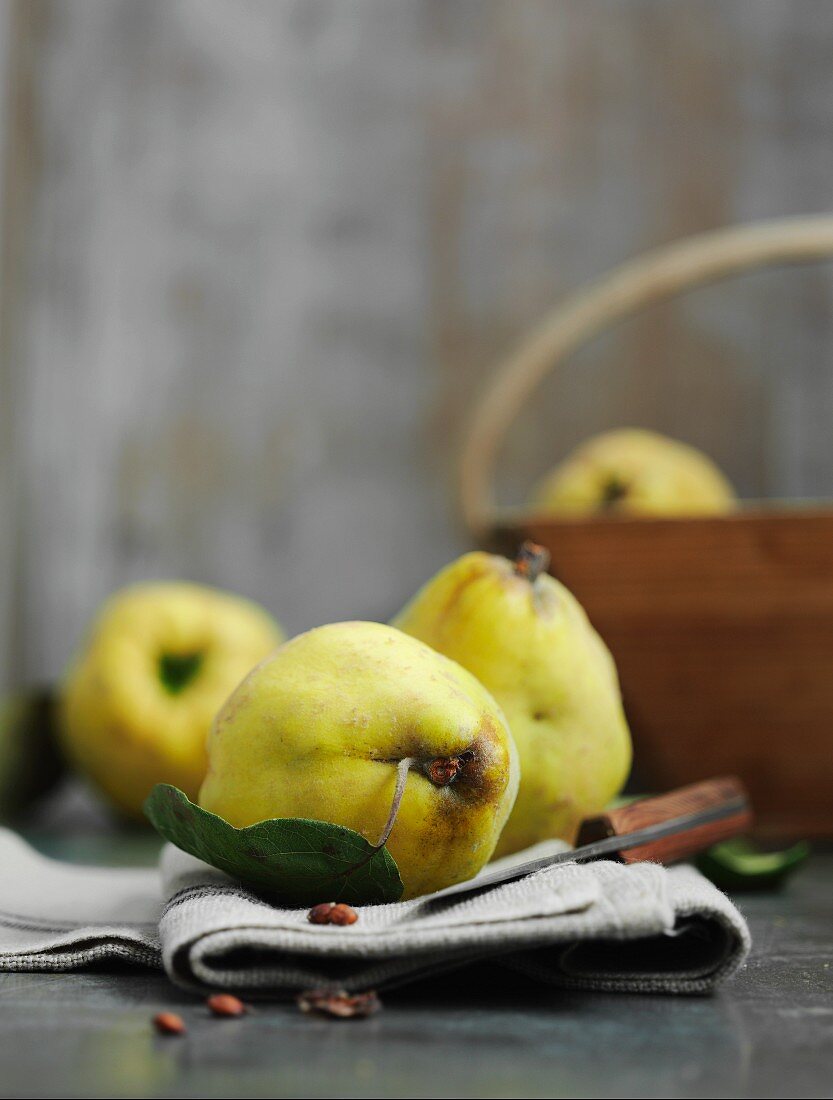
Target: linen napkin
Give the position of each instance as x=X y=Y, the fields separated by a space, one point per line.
x=599 y=925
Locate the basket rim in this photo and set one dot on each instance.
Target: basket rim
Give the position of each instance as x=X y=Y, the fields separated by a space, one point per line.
x=757 y=511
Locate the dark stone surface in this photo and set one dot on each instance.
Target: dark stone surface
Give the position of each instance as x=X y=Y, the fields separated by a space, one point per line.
x=768 y=1033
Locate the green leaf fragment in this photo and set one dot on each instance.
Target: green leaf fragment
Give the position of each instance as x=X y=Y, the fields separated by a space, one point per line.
x=738 y=864
x=294 y=862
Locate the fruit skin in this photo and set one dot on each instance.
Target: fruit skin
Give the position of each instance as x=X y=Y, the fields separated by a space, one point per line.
x=632 y=471
x=531 y=644
x=318 y=729
x=120 y=724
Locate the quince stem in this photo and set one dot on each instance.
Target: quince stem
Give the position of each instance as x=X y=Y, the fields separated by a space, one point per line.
x=402 y=769
x=453 y=765
x=531 y=560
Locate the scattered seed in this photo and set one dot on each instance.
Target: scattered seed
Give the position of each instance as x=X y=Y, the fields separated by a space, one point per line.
x=223 y=1004
x=343 y=914
x=168 y=1023
x=339 y=1003
x=330 y=912
x=320 y=914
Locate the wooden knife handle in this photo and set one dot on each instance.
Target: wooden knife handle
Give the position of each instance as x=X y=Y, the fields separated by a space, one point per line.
x=727 y=792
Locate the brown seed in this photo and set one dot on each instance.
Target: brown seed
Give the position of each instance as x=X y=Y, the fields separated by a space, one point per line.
x=168 y=1023
x=339 y=1004
x=320 y=914
x=343 y=914
x=223 y=1004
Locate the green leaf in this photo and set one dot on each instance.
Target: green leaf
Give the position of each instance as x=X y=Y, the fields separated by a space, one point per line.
x=290 y=861
x=738 y=865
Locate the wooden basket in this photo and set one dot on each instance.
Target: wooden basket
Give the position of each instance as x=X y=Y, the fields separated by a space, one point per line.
x=722 y=628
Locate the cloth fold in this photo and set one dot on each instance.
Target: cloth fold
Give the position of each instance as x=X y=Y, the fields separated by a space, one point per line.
x=599 y=925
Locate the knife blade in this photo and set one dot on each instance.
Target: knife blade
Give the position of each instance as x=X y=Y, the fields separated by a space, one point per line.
x=662 y=829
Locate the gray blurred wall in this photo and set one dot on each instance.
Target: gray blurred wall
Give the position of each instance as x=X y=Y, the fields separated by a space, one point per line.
x=258 y=259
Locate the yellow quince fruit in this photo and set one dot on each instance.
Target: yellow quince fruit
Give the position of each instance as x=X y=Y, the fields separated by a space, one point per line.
x=357 y=724
x=631 y=471
x=140 y=696
x=528 y=640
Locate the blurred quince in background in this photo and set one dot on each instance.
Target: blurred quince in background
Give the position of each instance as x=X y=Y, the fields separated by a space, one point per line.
x=633 y=471
x=141 y=694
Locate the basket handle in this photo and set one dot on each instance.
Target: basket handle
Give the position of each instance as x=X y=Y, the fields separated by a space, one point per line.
x=650 y=278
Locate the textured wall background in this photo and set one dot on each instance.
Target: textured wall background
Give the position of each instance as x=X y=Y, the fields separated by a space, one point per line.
x=259 y=257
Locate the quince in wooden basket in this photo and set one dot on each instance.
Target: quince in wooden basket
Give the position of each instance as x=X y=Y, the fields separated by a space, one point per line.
x=721 y=625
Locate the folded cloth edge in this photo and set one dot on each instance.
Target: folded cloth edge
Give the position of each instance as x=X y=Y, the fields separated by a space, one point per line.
x=599 y=904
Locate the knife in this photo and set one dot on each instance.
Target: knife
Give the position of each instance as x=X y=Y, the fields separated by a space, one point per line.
x=660 y=829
